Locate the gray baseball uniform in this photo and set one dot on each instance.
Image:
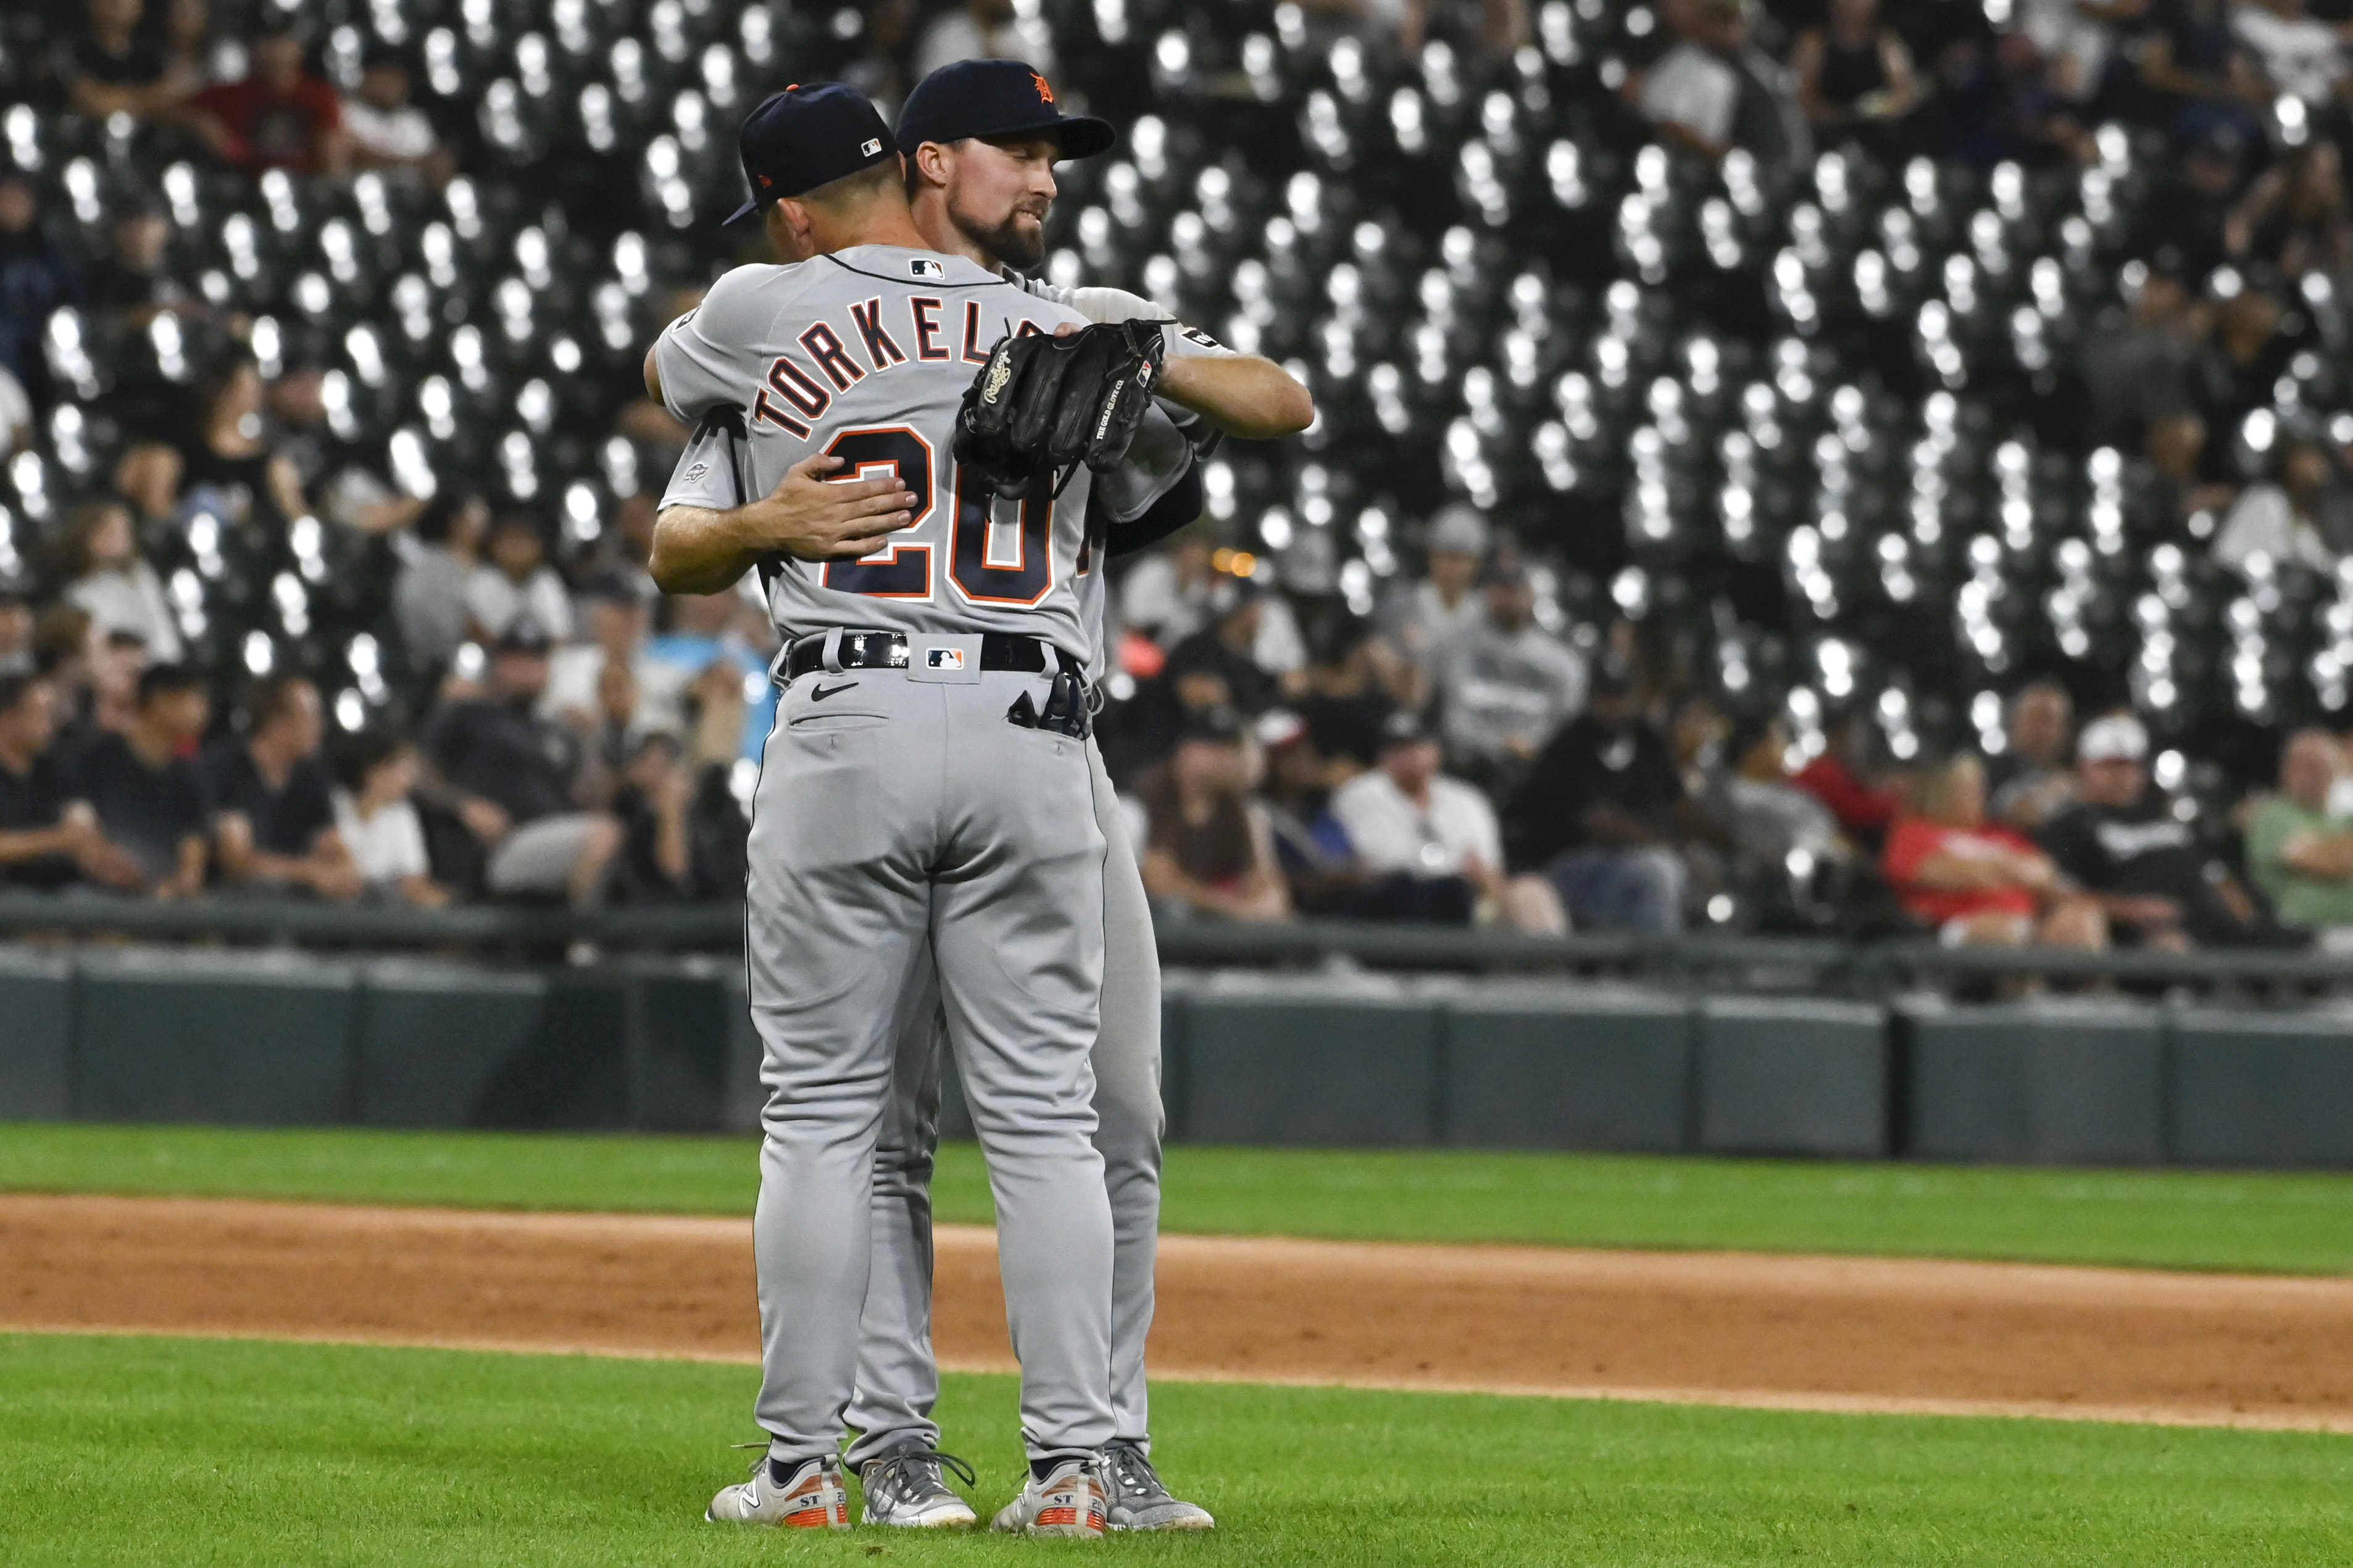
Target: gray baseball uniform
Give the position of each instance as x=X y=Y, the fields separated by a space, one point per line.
x=901 y=817
x=898 y=1377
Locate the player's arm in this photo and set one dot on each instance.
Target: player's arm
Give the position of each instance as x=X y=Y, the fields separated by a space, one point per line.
x=1247 y=396
x=703 y=548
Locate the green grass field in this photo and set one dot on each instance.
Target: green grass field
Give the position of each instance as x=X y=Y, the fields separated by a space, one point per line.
x=193 y=1451
x=2181 y=1220
x=153 y=1450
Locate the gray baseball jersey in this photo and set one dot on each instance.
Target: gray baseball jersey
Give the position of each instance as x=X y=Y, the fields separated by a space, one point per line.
x=865 y=354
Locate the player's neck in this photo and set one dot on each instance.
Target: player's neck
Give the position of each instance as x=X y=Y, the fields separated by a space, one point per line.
x=880 y=225
x=940 y=232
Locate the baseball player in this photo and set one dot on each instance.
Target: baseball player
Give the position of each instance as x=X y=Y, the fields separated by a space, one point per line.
x=981 y=138
x=925 y=796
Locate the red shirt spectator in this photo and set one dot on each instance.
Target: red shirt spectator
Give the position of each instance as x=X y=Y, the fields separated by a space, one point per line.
x=1914 y=841
x=1861 y=808
x=278 y=117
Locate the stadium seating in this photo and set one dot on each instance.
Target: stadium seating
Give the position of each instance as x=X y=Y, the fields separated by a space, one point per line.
x=1814 y=421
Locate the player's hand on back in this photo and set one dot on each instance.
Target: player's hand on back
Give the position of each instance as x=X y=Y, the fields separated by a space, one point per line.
x=812 y=516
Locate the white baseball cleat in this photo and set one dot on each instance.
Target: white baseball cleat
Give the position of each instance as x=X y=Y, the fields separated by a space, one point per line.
x=1068 y=1502
x=814 y=1497
x=1139 y=1500
x=906 y=1489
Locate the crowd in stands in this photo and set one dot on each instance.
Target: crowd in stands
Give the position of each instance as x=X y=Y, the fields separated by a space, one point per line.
x=1454 y=737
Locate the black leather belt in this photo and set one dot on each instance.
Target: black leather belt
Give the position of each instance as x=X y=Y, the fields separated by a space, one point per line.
x=888 y=650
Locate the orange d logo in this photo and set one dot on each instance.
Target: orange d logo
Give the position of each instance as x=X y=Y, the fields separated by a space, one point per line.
x=1045 y=94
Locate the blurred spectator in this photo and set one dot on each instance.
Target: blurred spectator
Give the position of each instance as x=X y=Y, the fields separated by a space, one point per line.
x=2184 y=226
x=118 y=659
x=188 y=44
x=2298 y=54
x=64 y=657
x=2140 y=366
x=1977 y=883
x=15 y=627
x=438 y=559
x=2177 y=489
x=144 y=786
x=1166 y=595
x=1488 y=28
x=2297 y=518
x=2123 y=845
x=108 y=578
x=1598 y=813
x=986 y=30
x=516 y=582
x=1424 y=616
x=2076 y=39
x=2032 y=779
x=1225 y=651
x=1853 y=73
x=2244 y=354
x=116 y=67
x=1352 y=685
x=2295 y=216
x=2203 y=84
x=714 y=654
x=1714 y=91
x=1842 y=776
x=1209 y=846
x=47 y=838
x=1505 y=685
x=273 y=807
x=1999 y=106
x=1405 y=817
x=378 y=823
x=1737 y=776
x=130 y=282
x=1310 y=845
x=615 y=619
x=278 y=117
x=350 y=489
x=386 y=130
x=2299 y=852
x=227 y=462
x=35 y=280
x=656 y=864
x=882 y=72
x=522 y=786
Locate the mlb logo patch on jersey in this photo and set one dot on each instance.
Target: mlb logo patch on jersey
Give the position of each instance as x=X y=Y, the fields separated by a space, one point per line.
x=922 y=267
x=944 y=658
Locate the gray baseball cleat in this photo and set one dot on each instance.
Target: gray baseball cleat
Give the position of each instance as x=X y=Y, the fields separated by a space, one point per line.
x=906 y=1488
x=812 y=1497
x=1068 y=1503
x=1139 y=1501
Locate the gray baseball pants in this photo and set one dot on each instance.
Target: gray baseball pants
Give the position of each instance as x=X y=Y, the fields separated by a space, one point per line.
x=900 y=822
x=898 y=1379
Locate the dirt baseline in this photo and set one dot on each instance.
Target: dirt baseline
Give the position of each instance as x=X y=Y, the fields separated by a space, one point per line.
x=1829 y=1334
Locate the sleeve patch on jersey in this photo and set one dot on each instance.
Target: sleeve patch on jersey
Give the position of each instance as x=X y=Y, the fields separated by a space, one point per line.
x=694 y=474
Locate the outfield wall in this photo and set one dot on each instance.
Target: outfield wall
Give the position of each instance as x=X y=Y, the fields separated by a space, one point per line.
x=1252 y=1058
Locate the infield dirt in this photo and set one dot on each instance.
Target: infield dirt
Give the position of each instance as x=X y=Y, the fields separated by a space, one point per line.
x=1811 y=1333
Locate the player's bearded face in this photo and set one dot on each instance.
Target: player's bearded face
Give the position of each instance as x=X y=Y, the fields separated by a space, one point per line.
x=1001 y=198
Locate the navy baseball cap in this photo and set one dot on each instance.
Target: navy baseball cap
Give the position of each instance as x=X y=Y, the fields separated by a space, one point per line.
x=995 y=97
x=804 y=137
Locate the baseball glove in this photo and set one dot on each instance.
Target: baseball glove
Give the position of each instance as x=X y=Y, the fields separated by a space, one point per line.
x=1044 y=405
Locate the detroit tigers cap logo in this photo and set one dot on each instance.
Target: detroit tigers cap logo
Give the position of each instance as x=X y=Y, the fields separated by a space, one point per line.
x=1045 y=94
x=921 y=267
x=944 y=657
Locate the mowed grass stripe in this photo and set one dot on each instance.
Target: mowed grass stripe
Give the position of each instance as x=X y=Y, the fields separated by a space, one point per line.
x=2180 y=1219
x=196 y=1451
